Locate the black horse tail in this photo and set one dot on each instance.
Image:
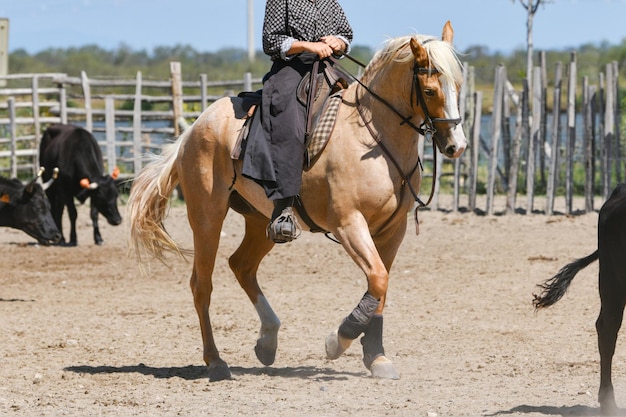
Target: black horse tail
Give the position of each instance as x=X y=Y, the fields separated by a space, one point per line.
x=554 y=288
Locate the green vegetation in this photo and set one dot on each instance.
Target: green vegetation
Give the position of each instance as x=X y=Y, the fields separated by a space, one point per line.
x=226 y=64
x=230 y=64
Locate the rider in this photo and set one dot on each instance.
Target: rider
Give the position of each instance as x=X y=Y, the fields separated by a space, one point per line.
x=295 y=34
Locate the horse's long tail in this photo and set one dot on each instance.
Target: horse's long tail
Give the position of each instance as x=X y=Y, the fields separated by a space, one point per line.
x=554 y=288
x=149 y=201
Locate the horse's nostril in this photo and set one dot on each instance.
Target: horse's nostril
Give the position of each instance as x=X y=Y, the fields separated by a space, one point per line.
x=450 y=150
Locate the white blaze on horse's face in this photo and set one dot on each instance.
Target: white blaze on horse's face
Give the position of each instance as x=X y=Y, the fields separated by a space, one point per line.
x=451 y=111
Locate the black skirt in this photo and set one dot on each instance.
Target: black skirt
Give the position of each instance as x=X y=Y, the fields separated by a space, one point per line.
x=275 y=158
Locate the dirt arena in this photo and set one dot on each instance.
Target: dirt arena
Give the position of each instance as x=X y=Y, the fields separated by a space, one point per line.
x=85 y=333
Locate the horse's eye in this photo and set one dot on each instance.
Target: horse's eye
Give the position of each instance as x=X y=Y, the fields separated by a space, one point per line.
x=429 y=92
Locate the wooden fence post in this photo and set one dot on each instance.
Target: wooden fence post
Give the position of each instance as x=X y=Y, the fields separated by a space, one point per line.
x=543 y=118
x=13 y=133
x=601 y=121
x=520 y=103
x=506 y=136
x=137 y=139
x=87 y=96
x=247 y=81
x=609 y=132
x=571 y=135
x=177 y=95
x=36 y=121
x=463 y=111
x=437 y=177
x=62 y=104
x=204 y=101
x=534 y=141
x=617 y=119
x=475 y=145
x=555 y=150
x=497 y=121
x=109 y=107
x=588 y=143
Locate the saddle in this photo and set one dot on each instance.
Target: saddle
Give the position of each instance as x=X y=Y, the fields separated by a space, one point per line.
x=320 y=92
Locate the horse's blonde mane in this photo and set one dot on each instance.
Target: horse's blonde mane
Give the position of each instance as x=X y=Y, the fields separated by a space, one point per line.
x=442 y=55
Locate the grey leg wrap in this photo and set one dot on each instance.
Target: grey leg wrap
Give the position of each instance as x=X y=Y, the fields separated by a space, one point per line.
x=357 y=321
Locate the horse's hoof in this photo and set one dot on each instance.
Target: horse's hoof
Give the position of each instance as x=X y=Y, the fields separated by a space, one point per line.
x=336 y=345
x=609 y=408
x=606 y=398
x=219 y=372
x=382 y=367
x=264 y=354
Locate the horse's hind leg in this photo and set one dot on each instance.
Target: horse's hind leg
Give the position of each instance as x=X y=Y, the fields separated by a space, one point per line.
x=607 y=326
x=612 y=288
x=245 y=264
x=206 y=232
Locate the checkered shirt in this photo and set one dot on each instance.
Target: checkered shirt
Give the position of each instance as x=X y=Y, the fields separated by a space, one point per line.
x=287 y=21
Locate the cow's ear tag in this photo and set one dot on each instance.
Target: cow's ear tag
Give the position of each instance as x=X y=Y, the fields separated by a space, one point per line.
x=5 y=198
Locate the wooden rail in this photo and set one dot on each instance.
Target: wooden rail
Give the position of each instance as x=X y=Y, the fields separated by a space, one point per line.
x=127 y=117
x=526 y=149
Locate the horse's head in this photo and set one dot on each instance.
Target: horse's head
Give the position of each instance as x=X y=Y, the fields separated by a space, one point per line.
x=437 y=76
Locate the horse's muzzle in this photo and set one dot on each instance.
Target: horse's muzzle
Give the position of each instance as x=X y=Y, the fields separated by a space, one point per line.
x=454 y=151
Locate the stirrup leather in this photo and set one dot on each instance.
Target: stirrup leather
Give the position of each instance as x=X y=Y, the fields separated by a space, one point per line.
x=284 y=228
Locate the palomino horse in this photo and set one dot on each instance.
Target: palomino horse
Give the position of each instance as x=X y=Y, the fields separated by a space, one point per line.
x=360 y=189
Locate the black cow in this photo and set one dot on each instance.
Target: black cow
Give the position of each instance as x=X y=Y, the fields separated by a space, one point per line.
x=77 y=154
x=26 y=207
x=611 y=253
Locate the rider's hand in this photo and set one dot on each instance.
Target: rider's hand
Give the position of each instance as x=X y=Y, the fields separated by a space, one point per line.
x=322 y=49
x=336 y=44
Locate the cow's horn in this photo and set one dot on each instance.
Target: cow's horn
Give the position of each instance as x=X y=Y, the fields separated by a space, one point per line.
x=36 y=180
x=55 y=175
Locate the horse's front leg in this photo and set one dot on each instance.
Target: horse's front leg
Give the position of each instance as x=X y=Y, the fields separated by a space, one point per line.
x=374 y=357
x=371 y=326
x=367 y=316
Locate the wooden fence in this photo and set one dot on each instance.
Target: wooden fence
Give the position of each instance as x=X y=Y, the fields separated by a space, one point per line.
x=525 y=150
x=532 y=147
x=127 y=117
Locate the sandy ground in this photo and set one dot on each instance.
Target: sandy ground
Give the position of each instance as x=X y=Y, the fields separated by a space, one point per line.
x=84 y=333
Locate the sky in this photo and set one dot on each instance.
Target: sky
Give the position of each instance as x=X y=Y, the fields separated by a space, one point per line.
x=211 y=25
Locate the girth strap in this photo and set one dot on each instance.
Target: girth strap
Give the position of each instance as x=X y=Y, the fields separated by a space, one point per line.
x=299 y=206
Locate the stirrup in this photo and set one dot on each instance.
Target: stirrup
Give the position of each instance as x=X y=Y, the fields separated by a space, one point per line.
x=284 y=228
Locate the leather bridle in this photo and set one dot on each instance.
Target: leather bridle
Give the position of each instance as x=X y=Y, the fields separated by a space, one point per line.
x=426 y=128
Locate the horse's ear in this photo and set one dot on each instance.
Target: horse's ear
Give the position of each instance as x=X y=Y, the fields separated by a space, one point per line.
x=421 y=56
x=448 y=32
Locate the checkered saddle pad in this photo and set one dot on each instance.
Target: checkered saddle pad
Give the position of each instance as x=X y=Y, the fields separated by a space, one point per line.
x=323 y=130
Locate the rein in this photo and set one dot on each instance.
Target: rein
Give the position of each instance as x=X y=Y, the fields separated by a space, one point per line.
x=406 y=178
x=426 y=129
